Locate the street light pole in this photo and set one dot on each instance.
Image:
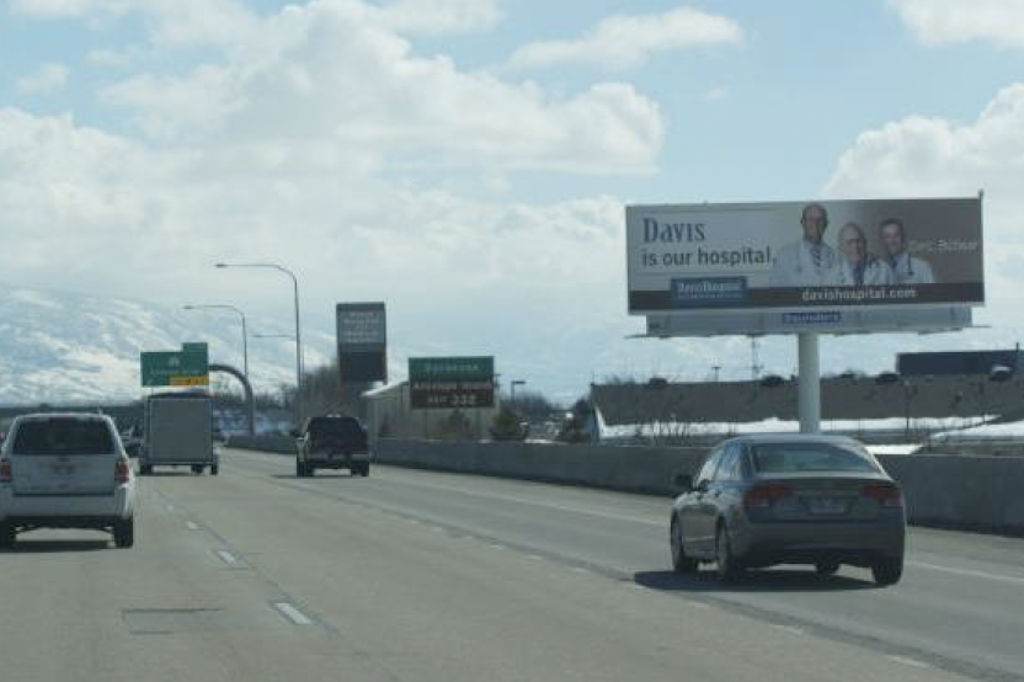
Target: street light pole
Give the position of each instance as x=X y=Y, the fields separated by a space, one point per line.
x=515 y=382
x=298 y=331
x=245 y=336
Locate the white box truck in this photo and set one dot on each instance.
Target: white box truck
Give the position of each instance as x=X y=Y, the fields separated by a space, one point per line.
x=179 y=432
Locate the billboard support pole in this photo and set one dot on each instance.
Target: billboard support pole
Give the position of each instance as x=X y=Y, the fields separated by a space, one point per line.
x=810 y=383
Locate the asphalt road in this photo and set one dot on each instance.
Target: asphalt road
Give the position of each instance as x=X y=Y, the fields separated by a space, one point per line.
x=412 y=576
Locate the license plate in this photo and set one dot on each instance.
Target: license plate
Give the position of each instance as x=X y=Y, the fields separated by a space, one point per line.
x=827 y=505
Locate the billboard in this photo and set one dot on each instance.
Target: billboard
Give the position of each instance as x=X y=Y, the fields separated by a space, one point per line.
x=451 y=382
x=804 y=256
x=362 y=342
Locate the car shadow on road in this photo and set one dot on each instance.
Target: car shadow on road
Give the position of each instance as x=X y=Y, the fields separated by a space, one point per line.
x=55 y=546
x=771 y=580
x=306 y=478
x=168 y=474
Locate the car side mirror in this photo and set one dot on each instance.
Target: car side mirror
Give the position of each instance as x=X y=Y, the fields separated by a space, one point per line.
x=683 y=482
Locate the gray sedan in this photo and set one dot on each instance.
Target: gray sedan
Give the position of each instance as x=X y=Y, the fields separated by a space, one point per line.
x=789 y=499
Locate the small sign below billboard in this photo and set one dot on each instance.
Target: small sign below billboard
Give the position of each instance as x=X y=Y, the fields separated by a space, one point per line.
x=451 y=382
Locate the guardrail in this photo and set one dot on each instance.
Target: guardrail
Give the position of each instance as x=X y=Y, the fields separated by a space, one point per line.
x=941 y=490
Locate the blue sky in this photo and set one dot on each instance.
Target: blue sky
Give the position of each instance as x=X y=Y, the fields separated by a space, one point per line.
x=421 y=152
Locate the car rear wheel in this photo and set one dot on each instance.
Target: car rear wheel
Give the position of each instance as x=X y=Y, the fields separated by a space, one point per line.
x=146 y=469
x=681 y=563
x=197 y=468
x=8 y=534
x=826 y=567
x=887 y=571
x=214 y=469
x=124 y=532
x=730 y=570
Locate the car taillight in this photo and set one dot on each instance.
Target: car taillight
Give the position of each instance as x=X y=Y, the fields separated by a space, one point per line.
x=883 y=493
x=122 y=471
x=765 y=495
x=5 y=471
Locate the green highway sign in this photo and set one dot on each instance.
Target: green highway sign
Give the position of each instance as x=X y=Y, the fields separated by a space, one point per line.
x=176 y=368
x=476 y=368
x=451 y=383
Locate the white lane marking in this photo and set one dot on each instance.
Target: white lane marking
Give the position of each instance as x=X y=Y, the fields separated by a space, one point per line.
x=697 y=605
x=968 y=572
x=227 y=557
x=292 y=613
x=790 y=629
x=523 y=500
x=535 y=557
x=908 y=661
x=496 y=546
x=578 y=569
x=635 y=586
x=170 y=507
x=192 y=526
x=436 y=529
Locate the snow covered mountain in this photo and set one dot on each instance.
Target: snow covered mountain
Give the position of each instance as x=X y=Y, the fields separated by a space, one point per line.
x=60 y=347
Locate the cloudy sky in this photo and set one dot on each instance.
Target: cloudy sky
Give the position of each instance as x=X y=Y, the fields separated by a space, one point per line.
x=468 y=161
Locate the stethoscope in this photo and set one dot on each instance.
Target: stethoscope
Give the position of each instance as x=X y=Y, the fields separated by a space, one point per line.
x=910 y=264
x=800 y=255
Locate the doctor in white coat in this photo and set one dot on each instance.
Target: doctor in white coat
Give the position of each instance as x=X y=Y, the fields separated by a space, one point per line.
x=906 y=268
x=809 y=262
x=860 y=268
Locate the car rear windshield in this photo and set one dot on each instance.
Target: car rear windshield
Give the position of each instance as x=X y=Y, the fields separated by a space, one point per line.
x=792 y=458
x=63 y=436
x=335 y=428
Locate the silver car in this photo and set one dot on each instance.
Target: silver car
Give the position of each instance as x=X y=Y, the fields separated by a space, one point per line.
x=65 y=470
x=763 y=500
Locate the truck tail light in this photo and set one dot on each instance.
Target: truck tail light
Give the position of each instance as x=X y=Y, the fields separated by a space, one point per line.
x=122 y=472
x=5 y=471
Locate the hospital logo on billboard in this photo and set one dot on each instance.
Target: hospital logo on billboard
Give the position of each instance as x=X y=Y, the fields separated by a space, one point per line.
x=715 y=292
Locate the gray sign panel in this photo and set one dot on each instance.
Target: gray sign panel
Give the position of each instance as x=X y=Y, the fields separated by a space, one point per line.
x=362 y=342
x=827 y=321
x=361 y=326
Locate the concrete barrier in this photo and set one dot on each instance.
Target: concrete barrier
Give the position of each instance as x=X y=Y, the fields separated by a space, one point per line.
x=985 y=493
x=630 y=469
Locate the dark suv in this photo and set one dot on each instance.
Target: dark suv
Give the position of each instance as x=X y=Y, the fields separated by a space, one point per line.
x=332 y=441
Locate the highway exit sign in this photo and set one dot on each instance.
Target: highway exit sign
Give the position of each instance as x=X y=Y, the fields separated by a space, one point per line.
x=187 y=367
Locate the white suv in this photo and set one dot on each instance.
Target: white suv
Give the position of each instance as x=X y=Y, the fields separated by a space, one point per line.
x=65 y=470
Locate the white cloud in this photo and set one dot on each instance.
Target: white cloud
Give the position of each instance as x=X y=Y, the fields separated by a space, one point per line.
x=46 y=79
x=624 y=41
x=435 y=17
x=942 y=22
x=324 y=72
x=920 y=157
x=88 y=210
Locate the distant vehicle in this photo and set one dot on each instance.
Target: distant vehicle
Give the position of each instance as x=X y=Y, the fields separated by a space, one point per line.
x=131 y=438
x=332 y=442
x=179 y=432
x=66 y=470
x=795 y=499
